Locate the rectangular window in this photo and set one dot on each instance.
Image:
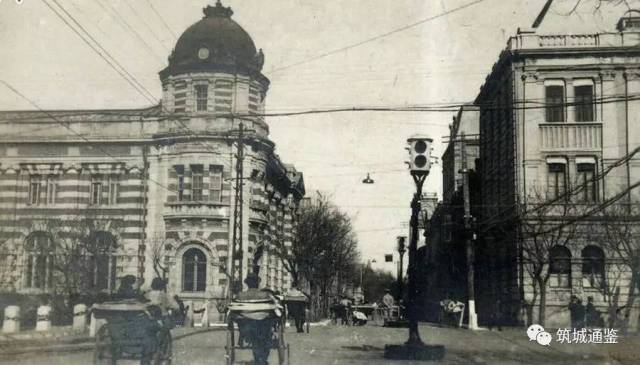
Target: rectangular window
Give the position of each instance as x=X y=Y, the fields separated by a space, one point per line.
x=34 y=190
x=584 y=103
x=556 y=179
x=96 y=192
x=113 y=191
x=215 y=183
x=52 y=188
x=202 y=92
x=554 y=101
x=586 y=174
x=180 y=172
x=196 y=182
x=179 y=97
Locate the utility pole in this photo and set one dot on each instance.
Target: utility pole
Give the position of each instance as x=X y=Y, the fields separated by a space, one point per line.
x=469 y=236
x=237 y=250
x=401 y=250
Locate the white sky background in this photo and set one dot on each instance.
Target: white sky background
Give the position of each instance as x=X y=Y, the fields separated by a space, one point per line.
x=444 y=60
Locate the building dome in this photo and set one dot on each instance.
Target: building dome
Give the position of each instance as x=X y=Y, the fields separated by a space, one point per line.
x=215 y=43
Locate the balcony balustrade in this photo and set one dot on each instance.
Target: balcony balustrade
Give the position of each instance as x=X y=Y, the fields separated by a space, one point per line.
x=571 y=136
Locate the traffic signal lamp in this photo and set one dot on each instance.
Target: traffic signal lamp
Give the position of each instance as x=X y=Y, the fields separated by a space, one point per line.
x=419 y=154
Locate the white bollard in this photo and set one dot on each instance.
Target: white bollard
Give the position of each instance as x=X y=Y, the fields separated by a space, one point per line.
x=79 y=317
x=43 y=321
x=11 y=323
x=205 y=315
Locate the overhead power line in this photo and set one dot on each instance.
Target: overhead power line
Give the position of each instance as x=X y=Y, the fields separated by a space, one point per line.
x=153 y=8
x=375 y=38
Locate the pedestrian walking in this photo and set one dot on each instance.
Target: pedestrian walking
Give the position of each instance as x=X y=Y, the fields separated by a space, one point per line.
x=345 y=310
x=496 y=316
x=577 y=312
x=592 y=314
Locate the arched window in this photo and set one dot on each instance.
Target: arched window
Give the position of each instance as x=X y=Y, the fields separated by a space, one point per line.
x=194 y=270
x=592 y=267
x=101 y=261
x=560 y=267
x=39 y=258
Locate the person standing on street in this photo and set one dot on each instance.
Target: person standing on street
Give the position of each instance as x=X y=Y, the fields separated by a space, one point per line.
x=388 y=302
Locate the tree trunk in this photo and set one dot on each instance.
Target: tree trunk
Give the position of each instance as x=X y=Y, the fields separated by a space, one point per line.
x=630 y=298
x=542 y=309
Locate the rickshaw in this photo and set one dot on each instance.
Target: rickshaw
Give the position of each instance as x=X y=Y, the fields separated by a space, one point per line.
x=133 y=331
x=258 y=313
x=296 y=303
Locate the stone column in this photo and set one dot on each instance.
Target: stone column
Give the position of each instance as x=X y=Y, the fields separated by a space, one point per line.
x=11 y=323
x=43 y=321
x=79 y=317
x=570 y=99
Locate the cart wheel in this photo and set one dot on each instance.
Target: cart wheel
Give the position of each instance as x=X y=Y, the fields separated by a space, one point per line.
x=103 y=353
x=164 y=353
x=229 y=348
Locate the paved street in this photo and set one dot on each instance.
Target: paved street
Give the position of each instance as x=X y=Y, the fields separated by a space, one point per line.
x=364 y=345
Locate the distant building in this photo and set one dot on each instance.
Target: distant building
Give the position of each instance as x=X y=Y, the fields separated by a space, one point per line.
x=559 y=107
x=445 y=248
x=152 y=190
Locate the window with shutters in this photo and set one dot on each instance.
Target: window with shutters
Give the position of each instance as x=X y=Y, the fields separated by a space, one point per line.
x=96 y=190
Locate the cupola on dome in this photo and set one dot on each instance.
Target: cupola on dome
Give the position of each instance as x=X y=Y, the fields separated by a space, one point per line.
x=215 y=43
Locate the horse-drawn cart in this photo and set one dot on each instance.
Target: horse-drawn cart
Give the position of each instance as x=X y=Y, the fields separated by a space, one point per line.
x=257 y=326
x=133 y=331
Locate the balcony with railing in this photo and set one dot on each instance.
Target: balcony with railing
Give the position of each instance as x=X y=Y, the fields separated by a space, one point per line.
x=571 y=136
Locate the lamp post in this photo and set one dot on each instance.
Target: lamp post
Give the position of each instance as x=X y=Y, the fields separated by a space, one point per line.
x=402 y=248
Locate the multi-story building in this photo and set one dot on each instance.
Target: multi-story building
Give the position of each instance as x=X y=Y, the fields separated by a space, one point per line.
x=557 y=109
x=445 y=249
x=151 y=192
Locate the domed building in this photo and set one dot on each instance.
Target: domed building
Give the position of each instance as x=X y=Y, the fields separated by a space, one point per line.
x=166 y=191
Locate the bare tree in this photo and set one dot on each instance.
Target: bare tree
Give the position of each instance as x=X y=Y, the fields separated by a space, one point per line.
x=545 y=228
x=621 y=225
x=323 y=248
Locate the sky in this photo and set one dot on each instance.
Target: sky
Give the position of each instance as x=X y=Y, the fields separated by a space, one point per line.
x=312 y=61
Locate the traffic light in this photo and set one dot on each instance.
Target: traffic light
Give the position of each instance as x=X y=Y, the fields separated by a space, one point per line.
x=419 y=154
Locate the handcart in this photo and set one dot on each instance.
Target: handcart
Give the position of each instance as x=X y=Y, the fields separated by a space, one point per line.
x=133 y=331
x=244 y=317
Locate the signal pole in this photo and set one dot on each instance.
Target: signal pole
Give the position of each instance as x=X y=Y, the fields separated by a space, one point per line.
x=469 y=237
x=414 y=349
x=237 y=254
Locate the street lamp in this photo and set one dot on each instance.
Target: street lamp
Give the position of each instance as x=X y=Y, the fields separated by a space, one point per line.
x=367 y=180
x=402 y=248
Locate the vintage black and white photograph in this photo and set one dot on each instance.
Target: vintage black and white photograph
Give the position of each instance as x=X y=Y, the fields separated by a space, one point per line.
x=302 y=182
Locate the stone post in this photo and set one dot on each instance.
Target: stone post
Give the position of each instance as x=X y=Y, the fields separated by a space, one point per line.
x=188 y=321
x=205 y=315
x=79 y=317
x=43 y=320
x=11 y=323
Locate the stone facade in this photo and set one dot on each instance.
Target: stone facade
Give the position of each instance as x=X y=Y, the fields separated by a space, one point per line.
x=555 y=110
x=155 y=185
